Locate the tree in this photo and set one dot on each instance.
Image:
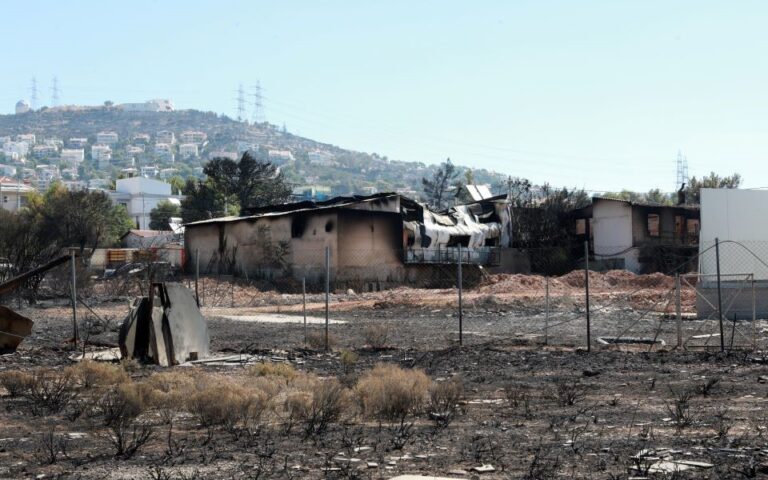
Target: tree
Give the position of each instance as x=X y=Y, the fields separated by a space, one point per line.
x=251 y=182
x=201 y=201
x=160 y=216
x=436 y=188
x=177 y=184
x=693 y=189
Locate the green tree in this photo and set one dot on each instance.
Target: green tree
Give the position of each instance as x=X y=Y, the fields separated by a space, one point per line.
x=251 y=182
x=161 y=214
x=693 y=189
x=436 y=188
x=177 y=184
x=201 y=201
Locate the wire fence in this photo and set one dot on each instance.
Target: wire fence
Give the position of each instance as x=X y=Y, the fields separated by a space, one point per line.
x=711 y=298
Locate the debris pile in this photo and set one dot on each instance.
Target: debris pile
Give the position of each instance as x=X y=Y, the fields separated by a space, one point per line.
x=165 y=328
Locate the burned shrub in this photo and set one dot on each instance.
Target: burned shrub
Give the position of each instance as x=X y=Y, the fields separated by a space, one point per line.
x=50 y=391
x=97 y=374
x=391 y=393
x=316 y=340
x=327 y=403
x=567 y=392
x=121 y=406
x=444 y=400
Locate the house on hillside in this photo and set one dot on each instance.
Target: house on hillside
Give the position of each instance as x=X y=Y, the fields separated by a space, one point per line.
x=147 y=238
x=14 y=194
x=140 y=195
x=374 y=241
x=638 y=236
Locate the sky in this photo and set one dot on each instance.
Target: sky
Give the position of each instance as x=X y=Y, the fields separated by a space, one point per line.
x=600 y=95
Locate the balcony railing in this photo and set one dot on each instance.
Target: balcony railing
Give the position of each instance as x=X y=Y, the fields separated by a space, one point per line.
x=474 y=256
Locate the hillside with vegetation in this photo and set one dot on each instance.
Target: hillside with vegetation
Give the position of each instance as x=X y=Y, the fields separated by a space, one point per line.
x=311 y=165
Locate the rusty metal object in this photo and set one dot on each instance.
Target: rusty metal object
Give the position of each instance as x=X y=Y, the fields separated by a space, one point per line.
x=13 y=329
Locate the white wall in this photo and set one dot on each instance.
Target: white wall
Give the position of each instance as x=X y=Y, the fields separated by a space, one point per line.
x=732 y=215
x=143 y=185
x=612 y=232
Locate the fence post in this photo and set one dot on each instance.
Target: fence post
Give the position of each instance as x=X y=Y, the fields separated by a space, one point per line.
x=74 y=299
x=754 y=315
x=197 y=276
x=678 y=311
x=546 y=310
x=461 y=309
x=719 y=295
x=304 y=306
x=327 y=290
x=586 y=292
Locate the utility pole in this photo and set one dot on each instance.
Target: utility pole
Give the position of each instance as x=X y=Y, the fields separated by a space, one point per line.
x=240 y=103
x=258 y=107
x=33 y=93
x=55 y=91
x=682 y=171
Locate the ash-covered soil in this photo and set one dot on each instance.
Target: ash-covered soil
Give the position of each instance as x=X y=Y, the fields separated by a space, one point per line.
x=529 y=410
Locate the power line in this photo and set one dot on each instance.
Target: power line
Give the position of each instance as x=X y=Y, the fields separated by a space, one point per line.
x=682 y=171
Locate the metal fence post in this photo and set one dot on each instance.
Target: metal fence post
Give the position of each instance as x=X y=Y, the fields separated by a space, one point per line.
x=678 y=312
x=546 y=310
x=74 y=299
x=461 y=310
x=754 y=315
x=304 y=306
x=586 y=293
x=719 y=295
x=327 y=290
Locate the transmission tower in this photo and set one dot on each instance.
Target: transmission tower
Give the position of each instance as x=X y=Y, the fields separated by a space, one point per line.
x=54 y=91
x=240 y=103
x=258 y=106
x=682 y=170
x=33 y=93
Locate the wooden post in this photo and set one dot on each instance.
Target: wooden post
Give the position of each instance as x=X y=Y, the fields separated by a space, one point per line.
x=754 y=315
x=546 y=310
x=197 y=276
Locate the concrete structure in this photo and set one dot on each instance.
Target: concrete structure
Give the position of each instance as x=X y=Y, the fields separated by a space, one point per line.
x=147 y=238
x=188 y=150
x=101 y=155
x=16 y=150
x=191 y=136
x=734 y=218
x=40 y=152
x=155 y=105
x=140 y=195
x=280 y=156
x=77 y=142
x=380 y=240
x=165 y=136
x=107 y=138
x=45 y=175
x=472 y=193
x=319 y=157
x=14 y=194
x=7 y=170
x=634 y=235
x=72 y=156
x=142 y=139
x=22 y=106
x=164 y=152
x=30 y=138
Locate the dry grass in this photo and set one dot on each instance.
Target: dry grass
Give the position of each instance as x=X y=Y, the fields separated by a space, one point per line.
x=266 y=369
x=376 y=336
x=15 y=383
x=444 y=400
x=389 y=392
x=316 y=340
x=98 y=374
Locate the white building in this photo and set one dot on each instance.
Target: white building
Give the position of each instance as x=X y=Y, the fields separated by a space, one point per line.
x=44 y=151
x=193 y=137
x=77 y=142
x=101 y=155
x=141 y=139
x=140 y=195
x=188 y=150
x=16 y=150
x=72 y=156
x=149 y=171
x=164 y=152
x=27 y=137
x=154 y=105
x=280 y=156
x=7 y=171
x=106 y=138
x=22 y=106
x=320 y=158
x=133 y=150
x=14 y=194
x=165 y=136
x=45 y=175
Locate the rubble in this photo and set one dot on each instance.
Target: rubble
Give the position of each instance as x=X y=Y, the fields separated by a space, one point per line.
x=166 y=328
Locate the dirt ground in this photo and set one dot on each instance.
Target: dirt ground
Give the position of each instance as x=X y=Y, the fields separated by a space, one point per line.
x=528 y=409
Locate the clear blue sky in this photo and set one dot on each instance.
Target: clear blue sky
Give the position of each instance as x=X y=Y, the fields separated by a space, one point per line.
x=594 y=94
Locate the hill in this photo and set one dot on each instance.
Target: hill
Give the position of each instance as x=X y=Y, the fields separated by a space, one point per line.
x=308 y=164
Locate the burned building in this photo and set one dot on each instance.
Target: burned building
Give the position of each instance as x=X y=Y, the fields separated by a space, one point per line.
x=373 y=241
